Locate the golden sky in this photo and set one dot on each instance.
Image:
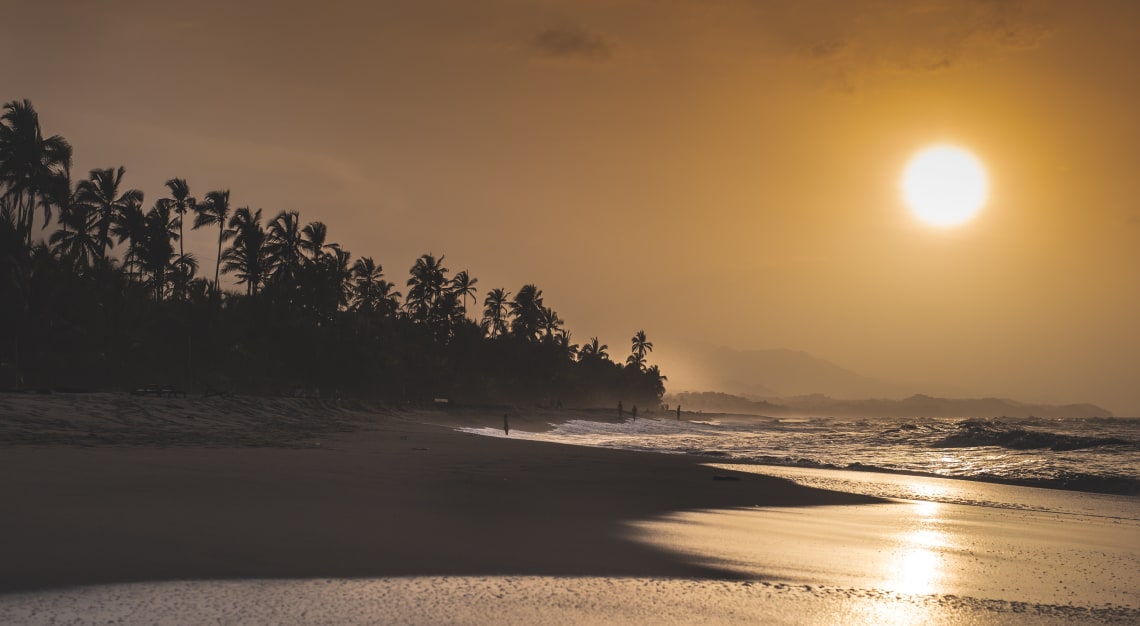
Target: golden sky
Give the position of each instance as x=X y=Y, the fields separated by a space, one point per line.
x=716 y=172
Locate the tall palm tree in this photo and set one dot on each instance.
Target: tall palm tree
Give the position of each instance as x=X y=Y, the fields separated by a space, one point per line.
x=284 y=247
x=370 y=292
x=215 y=210
x=246 y=257
x=464 y=286
x=181 y=202
x=494 y=321
x=29 y=165
x=340 y=274
x=130 y=226
x=640 y=346
x=526 y=312
x=77 y=240
x=156 y=247
x=100 y=191
x=426 y=285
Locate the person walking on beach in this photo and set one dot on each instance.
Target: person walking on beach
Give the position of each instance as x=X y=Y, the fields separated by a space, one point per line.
x=634 y=412
x=506 y=425
x=620 y=410
x=678 y=412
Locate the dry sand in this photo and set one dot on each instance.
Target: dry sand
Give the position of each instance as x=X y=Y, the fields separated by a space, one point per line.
x=129 y=509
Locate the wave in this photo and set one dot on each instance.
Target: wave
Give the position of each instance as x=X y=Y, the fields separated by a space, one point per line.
x=979 y=432
x=1114 y=484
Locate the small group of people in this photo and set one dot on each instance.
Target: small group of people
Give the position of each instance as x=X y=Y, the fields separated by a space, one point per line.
x=633 y=412
x=621 y=414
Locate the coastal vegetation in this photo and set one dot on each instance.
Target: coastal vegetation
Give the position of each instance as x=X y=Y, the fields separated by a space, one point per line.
x=97 y=291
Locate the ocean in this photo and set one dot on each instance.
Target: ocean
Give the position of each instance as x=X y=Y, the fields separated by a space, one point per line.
x=1094 y=455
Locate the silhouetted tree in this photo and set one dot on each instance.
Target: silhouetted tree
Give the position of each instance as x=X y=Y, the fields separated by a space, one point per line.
x=313 y=237
x=285 y=248
x=526 y=313
x=464 y=287
x=31 y=166
x=640 y=346
x=215 y=209
x=494 y=322
x=426 y=286
x=370 y=292
x=181 y=202
x=156 y=248
x=246 y=257
x=594 y=351
x=129 y=226
x=100 y=192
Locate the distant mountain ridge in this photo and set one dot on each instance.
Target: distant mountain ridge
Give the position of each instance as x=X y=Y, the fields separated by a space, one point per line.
x=780 y=372
x=781 y=382
x=918 y=405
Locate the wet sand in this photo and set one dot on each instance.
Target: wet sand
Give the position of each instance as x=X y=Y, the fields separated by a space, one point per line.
x=325 y=512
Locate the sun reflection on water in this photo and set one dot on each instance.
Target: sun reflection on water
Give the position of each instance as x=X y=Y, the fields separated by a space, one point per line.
x=917 y=563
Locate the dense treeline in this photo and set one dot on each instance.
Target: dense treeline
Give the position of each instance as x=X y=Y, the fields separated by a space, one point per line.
x=98 y=292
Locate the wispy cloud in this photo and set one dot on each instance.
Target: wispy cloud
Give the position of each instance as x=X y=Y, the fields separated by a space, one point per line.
x=859 y=41
x=570 y=42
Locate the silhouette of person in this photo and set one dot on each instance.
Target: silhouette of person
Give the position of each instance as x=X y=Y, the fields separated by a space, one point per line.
x=634 y=412
x=506 y=425
x=621 y=412
x=678 y=412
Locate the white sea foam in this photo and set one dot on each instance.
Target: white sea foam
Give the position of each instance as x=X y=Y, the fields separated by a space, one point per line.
x=1094 y=455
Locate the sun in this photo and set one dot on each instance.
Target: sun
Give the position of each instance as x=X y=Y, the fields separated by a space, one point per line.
x=945 y=185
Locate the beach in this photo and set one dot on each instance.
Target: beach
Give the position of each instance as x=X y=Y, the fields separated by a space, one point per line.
x=180 y=510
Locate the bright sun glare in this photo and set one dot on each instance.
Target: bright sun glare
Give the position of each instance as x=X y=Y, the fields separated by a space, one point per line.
x=945 y=185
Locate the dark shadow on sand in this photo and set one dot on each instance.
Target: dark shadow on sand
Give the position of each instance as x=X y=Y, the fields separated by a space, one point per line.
x=398 y=500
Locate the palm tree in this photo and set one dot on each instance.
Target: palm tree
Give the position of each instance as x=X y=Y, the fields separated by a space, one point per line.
x=657 y=379
x=130 y=227
x=285 y=248
x=549 y=322
x=594 y=350
x=370 y=292
x=100 y=192
x=494 y=321
x=182 y=202
x=562 y=342
x=29 y=166
x=337 y=276
x=426 y=285
x=155 y=249
x=246 y=258
x=640 y=346
x=183 y=270
x=313 y=237
x=215 y=210
x=464 y=286
x=526 y=310
x=78 y=239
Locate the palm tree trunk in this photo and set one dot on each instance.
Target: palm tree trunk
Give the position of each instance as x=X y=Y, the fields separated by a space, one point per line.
x=218 y=263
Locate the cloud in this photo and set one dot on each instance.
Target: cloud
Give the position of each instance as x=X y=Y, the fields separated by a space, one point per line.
x=570 y=42
x=860 y=41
